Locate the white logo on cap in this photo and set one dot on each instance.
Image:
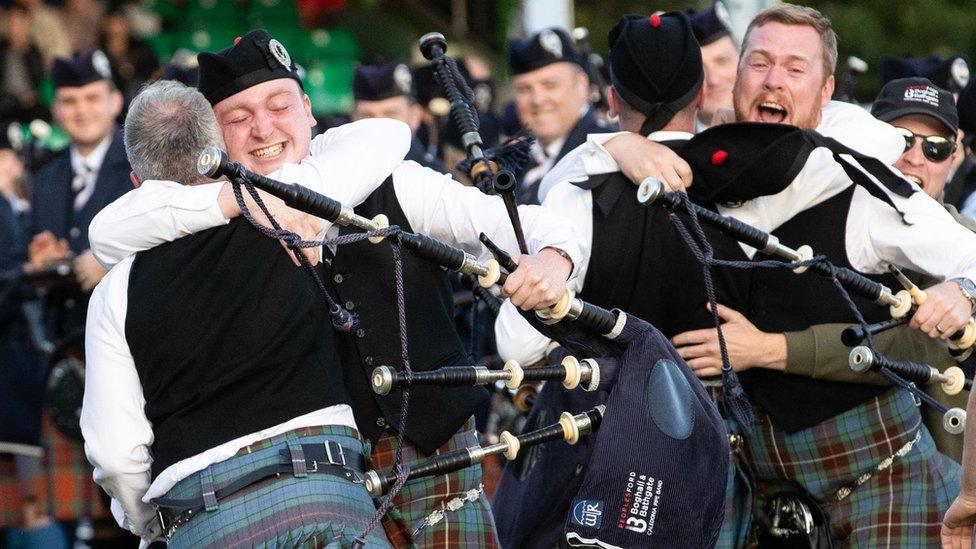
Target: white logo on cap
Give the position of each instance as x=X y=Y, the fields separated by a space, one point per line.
x=550 y=42
x=922 y=94
x=280 y=53
x=960 y=72
x=100 y=62
x=401 y=75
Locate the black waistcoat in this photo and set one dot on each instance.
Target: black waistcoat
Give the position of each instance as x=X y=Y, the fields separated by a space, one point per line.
x=782 y=301
x=228 y=338
x=362 y=277
x=640 y=263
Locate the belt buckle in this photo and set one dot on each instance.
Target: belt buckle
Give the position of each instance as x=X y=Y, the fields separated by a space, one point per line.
x=338 y=451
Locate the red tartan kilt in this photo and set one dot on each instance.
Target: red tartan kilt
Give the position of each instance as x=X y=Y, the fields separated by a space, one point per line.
x=63 y=484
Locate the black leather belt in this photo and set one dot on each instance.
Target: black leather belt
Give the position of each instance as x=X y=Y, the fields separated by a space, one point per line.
x=328 y=458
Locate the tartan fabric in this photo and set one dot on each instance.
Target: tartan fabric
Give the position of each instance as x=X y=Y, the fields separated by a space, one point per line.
x=63 y=484
x=281 y=511
x=473 y=525
x=899 y=507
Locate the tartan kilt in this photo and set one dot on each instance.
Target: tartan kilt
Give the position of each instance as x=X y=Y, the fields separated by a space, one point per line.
x=62 y=484
x=473 y=525
x=901 y=506
x=317 y=510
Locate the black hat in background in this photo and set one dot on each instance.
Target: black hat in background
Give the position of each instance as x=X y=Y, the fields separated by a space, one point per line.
x=252 y=60
x=382 y=81
x=183 y=67
x=951 y=73
x=543 y=48
x=80 y=69
x=655 y=65
x=708 y=26
x=966 y=108
x=427 y=89
x=908 y=96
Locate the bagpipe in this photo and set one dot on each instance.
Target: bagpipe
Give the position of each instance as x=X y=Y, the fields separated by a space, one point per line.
x=569 y=429
x=901 y=304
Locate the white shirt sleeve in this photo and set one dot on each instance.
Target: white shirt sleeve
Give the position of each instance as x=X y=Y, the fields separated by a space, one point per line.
x=934 y=243
x=438 y=206
x=516 y=339
x=346 y=163
x=590 y=158
x=118 y=436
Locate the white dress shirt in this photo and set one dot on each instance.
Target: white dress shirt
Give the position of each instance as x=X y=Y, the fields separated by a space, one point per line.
x=934 y=243
x=118 y=436
x=86 y=170
x=161 y=211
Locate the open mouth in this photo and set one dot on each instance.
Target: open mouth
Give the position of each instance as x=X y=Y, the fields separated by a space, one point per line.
x=270 y=151
x=772 y=112
x=915 y=179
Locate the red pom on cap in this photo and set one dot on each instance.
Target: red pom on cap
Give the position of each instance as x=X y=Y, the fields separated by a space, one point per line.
x=237 y=40
x=718 y=157
x=655 y=20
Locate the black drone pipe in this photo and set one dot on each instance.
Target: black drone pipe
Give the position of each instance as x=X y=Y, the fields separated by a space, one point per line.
x=433 y=46
x=652 y=192
x=572 y=373
x=569 y=429
x=214 y=163
x=953 y=380
x=596 y=318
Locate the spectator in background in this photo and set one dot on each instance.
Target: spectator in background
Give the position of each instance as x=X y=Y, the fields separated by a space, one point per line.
x=82 y=19
x=21 y=70
x=132 y=60
x=551 y=94
x=720 y=58
x=47 y=30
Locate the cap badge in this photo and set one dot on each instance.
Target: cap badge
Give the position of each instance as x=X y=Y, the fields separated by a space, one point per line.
x=100 y=62
x=655 y=19
x=550 y=42
x=960 y=72
x=401 y=75
x=280 y=53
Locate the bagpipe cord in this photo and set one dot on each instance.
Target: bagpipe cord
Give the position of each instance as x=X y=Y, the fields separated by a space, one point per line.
x=344 y=320
x=736 y=399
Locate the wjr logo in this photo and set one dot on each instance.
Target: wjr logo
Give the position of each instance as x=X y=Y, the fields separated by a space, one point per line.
x=588 y=512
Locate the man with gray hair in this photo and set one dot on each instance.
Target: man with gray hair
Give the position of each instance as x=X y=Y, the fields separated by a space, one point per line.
x=208 y=366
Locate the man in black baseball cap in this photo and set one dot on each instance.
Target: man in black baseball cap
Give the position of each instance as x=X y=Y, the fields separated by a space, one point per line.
x=926 y=115
x=551 y=96
x=387 y=90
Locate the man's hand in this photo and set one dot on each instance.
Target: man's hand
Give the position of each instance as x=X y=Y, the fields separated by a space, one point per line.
x=539 y=281
x=304 y=225
x=639 y=158
x=748 y=346
x=944 y=311
x=957 y=526
x=88 y=270
x=45 y=249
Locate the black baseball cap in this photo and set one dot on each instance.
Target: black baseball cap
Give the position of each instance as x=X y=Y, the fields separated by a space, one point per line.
x=908 y=96
x=255 y=58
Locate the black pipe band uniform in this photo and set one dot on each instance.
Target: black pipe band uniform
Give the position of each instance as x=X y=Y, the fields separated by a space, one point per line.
x=639 y=262
x=361 y=276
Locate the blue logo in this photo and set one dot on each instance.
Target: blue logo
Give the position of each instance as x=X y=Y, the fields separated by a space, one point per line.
x=587 y=512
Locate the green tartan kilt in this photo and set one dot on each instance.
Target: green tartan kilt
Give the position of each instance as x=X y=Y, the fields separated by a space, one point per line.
x=901 y=506
x=317 y=510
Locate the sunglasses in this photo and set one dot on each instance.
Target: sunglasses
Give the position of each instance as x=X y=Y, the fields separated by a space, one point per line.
x=935 y=147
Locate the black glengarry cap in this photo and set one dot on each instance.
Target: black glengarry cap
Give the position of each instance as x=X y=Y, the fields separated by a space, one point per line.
x=253 y=59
